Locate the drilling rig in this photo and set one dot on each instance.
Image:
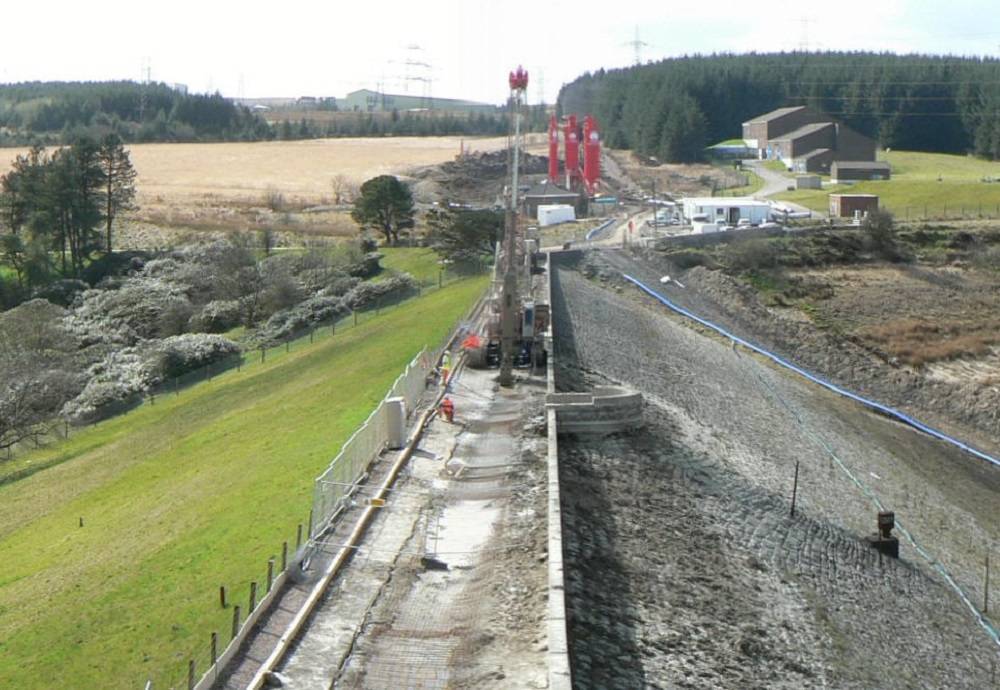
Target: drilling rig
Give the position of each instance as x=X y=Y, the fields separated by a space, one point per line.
x=510 y=298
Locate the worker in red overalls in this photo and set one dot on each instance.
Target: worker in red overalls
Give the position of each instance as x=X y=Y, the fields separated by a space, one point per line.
x=447 y=409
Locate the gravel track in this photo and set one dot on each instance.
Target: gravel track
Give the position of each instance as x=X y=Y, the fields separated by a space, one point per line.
x=685 y=565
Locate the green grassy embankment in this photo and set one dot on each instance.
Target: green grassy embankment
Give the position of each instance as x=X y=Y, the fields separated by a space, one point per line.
x=181 y=497
x=923 y=186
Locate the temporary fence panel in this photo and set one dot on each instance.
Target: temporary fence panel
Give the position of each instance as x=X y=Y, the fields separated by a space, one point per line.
x=333 y=488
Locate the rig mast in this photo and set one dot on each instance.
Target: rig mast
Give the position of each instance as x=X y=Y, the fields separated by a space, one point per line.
x=509 y=296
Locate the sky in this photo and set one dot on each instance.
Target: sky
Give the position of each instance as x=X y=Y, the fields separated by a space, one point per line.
x=449 y=48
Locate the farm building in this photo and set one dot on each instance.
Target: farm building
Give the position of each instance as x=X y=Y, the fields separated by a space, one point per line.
x=853 y=171
x=807 y=140
x=757 y=133
x=727 y=210
x=809 y=182
x=852 y=205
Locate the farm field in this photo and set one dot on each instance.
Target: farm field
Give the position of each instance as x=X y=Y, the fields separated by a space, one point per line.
x=212 y=174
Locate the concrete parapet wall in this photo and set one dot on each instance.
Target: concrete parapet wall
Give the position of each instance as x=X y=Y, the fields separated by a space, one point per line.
x=560 y=673
x=607 y=410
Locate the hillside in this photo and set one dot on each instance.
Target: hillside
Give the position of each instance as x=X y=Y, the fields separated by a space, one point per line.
x=723 y=544
x=112 y=558
x=675 y=108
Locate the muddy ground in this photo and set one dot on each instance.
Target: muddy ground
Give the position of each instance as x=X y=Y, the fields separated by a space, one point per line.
x=686 y=565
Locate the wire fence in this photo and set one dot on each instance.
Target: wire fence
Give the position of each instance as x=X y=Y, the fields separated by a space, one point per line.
x=247 y=603
x=332 y=489
x=945 y=212
x=294 y=340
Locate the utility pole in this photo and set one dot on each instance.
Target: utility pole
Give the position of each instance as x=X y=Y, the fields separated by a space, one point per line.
x=652 y=183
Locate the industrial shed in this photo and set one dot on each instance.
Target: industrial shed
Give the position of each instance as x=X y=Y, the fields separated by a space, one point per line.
x=852 y=205
x=809 y=182
x=548 y=193
x=807 y=140
x=368 y=101
x=854 y=171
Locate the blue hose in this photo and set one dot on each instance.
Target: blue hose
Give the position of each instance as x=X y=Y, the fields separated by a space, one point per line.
x=599 y=228
x=906 y=419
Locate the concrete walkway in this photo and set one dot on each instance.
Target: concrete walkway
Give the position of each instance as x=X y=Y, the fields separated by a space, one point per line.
x=416 y=593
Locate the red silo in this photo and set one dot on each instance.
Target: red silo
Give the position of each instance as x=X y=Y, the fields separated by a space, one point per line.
x=553 y=150
x=572 y=150
x=591 y=153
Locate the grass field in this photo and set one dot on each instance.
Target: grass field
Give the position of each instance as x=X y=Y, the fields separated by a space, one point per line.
x=915 y=190
x=112 y=558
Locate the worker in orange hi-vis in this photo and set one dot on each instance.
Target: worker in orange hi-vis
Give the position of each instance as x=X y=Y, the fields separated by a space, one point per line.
x=447 y=409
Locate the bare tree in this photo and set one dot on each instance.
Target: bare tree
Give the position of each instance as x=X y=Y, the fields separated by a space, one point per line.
x=36 y=368
x=343 y=190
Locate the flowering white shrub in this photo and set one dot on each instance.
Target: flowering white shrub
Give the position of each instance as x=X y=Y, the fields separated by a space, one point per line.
x=365 y=294
x=152 y=322
x=133 y=312
x=121 y=375
x=307 y=314
x=181 y=354
x=61 y=292
x=128 y=373
x=218 y=316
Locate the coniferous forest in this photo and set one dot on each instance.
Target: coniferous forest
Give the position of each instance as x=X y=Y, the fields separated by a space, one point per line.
x=673 y=109
x=51 y=113
x=670 y=110
x=61 y=113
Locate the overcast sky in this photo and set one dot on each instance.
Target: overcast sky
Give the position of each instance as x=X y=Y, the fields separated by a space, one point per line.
x=448 y=48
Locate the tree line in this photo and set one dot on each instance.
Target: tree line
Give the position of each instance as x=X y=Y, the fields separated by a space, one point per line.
x=672 y=110
x=409 y=124
x=59 y=113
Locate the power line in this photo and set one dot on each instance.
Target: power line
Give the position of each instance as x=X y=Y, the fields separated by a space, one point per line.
x=636 y=46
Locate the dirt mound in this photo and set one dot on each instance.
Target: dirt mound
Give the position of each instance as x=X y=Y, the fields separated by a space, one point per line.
x=476 y=178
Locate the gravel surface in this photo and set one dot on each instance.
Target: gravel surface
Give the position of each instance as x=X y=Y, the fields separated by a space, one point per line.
x=686 y=566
